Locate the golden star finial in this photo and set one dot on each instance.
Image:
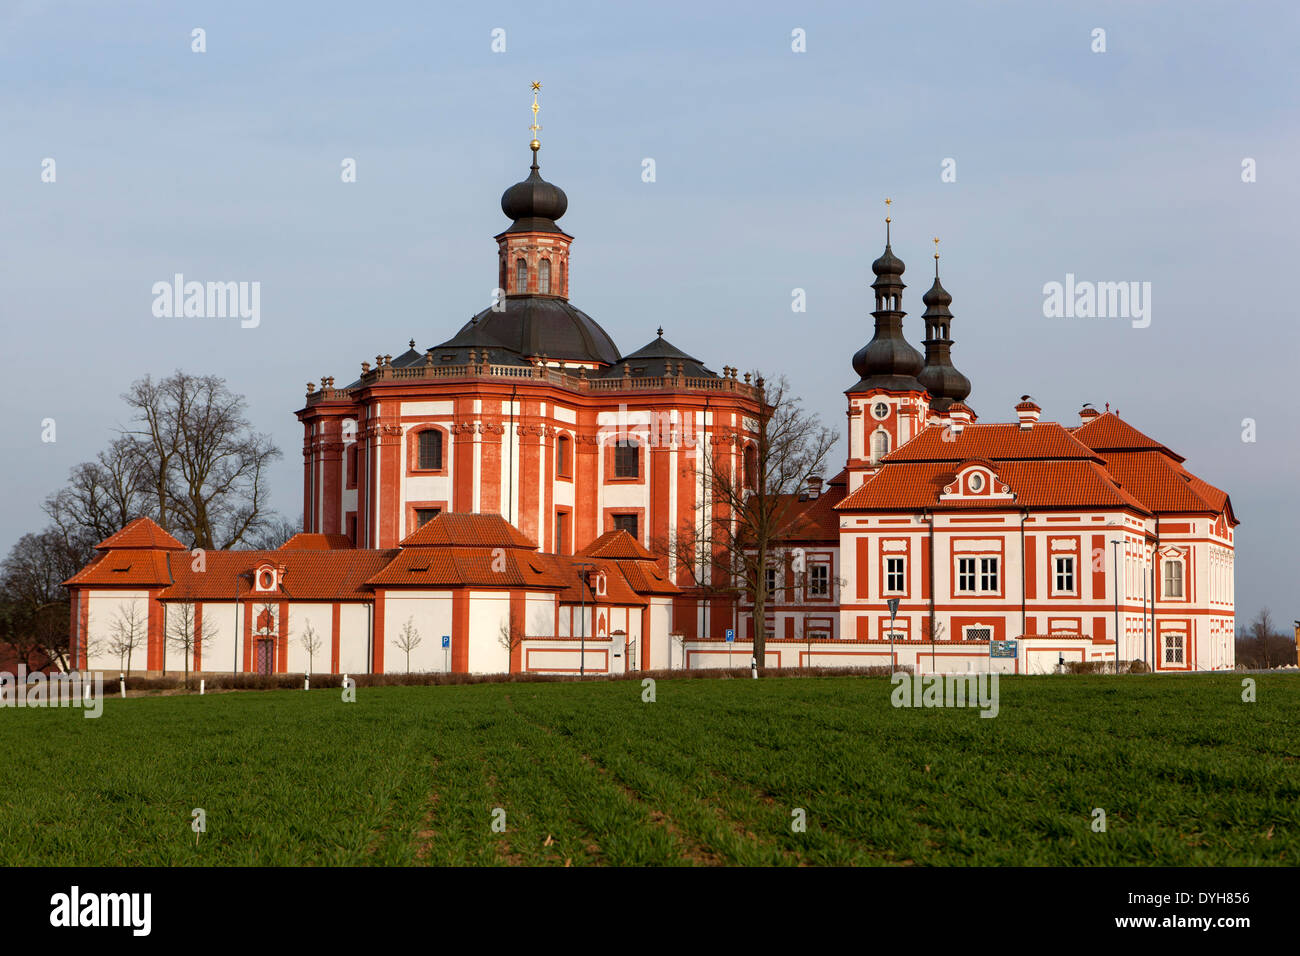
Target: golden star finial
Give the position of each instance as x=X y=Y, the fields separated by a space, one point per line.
x=936 y=247
x=534 y=129
x=887 y=203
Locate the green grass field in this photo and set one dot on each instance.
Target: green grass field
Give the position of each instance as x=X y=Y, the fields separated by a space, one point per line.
x=709 y=773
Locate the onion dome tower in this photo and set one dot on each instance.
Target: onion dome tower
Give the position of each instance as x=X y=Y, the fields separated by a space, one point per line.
x=944 y=383
x=532 y=316
x=888 y=405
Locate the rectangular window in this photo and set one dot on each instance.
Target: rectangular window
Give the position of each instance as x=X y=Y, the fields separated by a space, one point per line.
x=352 y=467
x=562 y=456
x=895 y=575
x=988 y=574
x=1174 y=648
x=819 y=581
x=978 y=633
x=1173 y=579
x=626 y=523
x=431 y=450
x=627 y=462
x=966 y=575
x=424 y=515
x=772 y=584
x=1065 y=574
x=561 y=532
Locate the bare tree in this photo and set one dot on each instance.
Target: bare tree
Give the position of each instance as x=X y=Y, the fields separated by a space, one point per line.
x=408 y=640
x=103 y=495
x=34 y=607
x=275 y=531
x=511 y=636
x=128 y=631
x=184 y=632
x=206 y=468
x=1261 y=632
x=311 y=642
x=751 y=495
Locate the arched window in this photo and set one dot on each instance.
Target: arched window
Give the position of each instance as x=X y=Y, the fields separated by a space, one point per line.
x=431 y=449
x=751 y=468
x=521 y=276
x=564 y=271
x=879 y=445
x=562 y=456
x=544 y=277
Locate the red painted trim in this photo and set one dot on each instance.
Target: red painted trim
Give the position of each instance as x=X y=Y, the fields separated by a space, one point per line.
x=282 y=645
x=248 y=636
x=380 y=637
x=198 y=636
x=336 y=613
x=460 y=631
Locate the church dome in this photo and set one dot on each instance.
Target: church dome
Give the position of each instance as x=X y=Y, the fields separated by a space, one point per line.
x=533 y=326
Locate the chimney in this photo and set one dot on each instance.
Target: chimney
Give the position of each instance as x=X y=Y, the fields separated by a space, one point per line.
x=1027 y=412
x=814 y=486
x=1087 y=414
x=960 y=414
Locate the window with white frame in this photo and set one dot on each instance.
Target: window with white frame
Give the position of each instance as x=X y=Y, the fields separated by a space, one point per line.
x=879 y=445
x=966 y=575
x=988 y=574
x=1173 y=578
x=1174 y=648
x=1064 y=573
x=977 y=633
x=895 y=575
x=819 y=581
x=772 y=582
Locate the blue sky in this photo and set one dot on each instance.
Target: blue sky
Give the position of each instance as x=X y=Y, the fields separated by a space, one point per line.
x=772 y=167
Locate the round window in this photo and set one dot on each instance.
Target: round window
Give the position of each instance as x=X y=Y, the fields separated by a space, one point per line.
x=976 y=482
x=880 y=410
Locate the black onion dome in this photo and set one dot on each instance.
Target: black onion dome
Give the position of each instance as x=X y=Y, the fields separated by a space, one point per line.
x=887 y=362
x=944 y=383
x=888 y=264
x=936 y=302
x=534 y=204
x=533 y=326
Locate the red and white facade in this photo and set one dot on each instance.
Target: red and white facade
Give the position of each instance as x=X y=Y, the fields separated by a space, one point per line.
x=515 y=489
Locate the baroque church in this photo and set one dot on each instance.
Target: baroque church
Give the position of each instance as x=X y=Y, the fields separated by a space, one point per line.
x=500 y=501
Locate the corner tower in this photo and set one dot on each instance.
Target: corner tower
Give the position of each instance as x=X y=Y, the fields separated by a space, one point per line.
x=888 y=405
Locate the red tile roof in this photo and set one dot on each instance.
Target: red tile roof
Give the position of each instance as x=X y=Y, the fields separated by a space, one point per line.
x=1043 y=441
x=617 y=544
x=141 y=533
x=469 y=531
x=1109 y=432
x=452 y=567
x=308 y=575
x=1164 y=485
x=316 y=542
x=126 y=568
x=1036 y=484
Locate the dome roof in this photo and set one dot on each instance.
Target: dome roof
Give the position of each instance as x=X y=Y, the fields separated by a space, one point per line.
x=937 y=301
x=887 y=362
x=534 y=204
x=532 y=326
x=657 y=358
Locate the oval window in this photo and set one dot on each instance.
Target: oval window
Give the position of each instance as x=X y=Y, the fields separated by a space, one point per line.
x=976 y=482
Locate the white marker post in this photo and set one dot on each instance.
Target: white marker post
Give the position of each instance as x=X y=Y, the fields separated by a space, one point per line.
x=753 y=667
x=306 y=682
x=121 y=684
x=201 y=683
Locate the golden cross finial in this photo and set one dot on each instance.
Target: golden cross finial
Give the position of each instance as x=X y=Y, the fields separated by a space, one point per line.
x=936 y=247
x=537 y=87
x=887 y=203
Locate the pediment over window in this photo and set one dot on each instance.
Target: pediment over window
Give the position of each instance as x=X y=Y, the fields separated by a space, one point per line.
x=976 y=479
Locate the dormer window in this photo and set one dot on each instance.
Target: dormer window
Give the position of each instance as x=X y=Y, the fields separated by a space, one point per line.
x=976 y=482
x=267 y=578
